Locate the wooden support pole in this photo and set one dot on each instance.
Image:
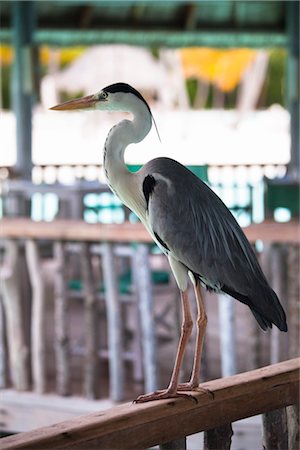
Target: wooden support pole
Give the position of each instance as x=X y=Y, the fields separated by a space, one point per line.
x=179 y=444
x=91 y=374
x=293 y=422
x=115 y=327
x=275 y=434
x=38 y=317
x=146 y=316
x=62 y=350
x=293 y=292
x=13 y=307
x=227 y=339
x=218 y=438
x=3 y=355
x=276 y=268
x=138 y=372
x=22 y=82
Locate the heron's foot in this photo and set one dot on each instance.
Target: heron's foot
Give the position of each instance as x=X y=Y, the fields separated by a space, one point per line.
x=190 y=386
x=163 y=394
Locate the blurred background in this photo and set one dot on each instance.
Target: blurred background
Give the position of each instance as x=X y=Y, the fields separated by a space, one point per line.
x=222 y=81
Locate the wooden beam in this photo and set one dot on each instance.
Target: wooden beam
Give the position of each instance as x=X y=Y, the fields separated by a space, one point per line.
x=145 y=425
x=78 y=230
x=148 y=38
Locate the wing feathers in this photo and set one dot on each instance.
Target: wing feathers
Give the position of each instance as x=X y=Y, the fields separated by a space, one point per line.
x=201 y=233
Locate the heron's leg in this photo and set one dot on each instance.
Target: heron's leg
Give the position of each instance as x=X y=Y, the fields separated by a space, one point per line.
x=201 y=328
x=187 y=325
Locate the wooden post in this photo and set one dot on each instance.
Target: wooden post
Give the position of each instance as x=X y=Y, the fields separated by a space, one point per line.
x=292 y=413
x=137 y=340
x=3 y=355
x=275 y=435
x=38 y=317
x=227 y=338
x=13 y=307
x=218 y=438
x=91 y=375
x=22 y=82
x=179 y=444
x=115 y=328
x=147 y=316
x=277 y=285
x=293 y=292
x=62 y=350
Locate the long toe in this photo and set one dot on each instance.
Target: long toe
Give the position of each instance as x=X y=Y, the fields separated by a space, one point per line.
x=164 y=394
x=194 y=388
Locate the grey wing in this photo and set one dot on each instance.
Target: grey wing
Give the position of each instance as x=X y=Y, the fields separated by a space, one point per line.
x=198 y=230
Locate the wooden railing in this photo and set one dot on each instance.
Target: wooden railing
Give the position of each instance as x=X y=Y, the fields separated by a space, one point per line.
x=24 y=235
x=241 y=187
x=168 y=422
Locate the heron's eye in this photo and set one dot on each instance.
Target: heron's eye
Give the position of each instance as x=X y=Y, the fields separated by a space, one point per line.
x=103 y=95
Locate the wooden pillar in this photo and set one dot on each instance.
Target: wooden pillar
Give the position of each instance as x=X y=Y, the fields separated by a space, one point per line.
x=179 y=444
x=227 y=338
x=38 y=317
x=293 y=292
x=91 y=375
x=275 y=435
x=147 y=317
x=279 y=341
x=218 y=438
x=14 y=315
x=23 y=85
x=3 y=353
x=292 y=413
x=115 y=326
x=62 y=345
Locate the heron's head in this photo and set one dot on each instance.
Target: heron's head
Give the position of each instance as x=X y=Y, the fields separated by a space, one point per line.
x=116 y=97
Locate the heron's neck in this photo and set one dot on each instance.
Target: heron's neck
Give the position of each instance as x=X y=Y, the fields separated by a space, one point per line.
x=120 y=136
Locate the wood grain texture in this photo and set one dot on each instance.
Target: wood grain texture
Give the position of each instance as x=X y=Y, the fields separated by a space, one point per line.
x=78 y=230
x=138 y=426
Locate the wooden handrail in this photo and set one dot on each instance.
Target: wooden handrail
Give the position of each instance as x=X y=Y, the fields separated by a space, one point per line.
x=138 y=426
x=78 y=230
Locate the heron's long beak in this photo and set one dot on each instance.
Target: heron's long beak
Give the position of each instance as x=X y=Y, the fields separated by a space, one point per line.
x=79 y=103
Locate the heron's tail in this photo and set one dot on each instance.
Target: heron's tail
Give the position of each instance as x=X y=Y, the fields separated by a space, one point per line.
x=272 y=311
x=264 y=305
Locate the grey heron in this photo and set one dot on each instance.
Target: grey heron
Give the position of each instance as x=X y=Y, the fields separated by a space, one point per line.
x=189 y=223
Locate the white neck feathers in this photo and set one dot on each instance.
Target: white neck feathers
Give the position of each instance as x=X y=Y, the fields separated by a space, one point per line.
x=120 y=136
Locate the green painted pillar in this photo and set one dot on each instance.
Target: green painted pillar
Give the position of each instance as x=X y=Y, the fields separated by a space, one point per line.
x=293 y=75
x=22 y=82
